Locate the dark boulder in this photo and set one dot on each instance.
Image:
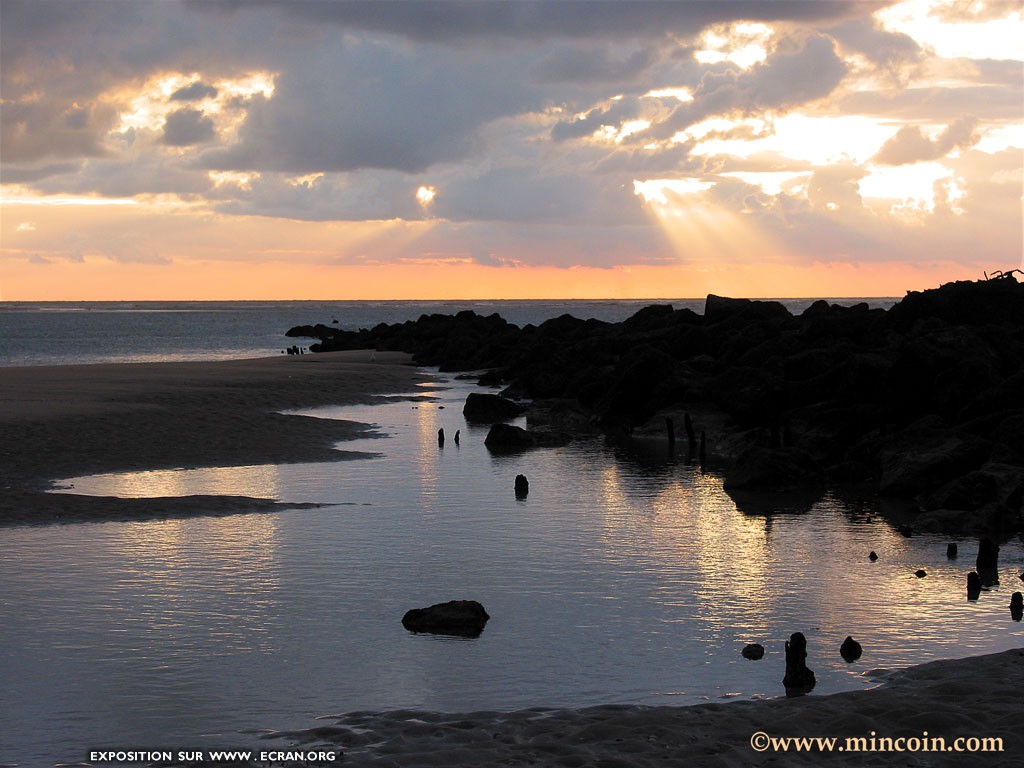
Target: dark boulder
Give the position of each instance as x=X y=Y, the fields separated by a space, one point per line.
x=460 y=618
x=1017 y=606
x=921 y=459
x=481 y=407
x=753 y=651
x=850 y=650
x=505 y=437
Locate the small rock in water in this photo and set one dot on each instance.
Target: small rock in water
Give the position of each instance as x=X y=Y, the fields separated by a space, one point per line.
x=850 y=650
x=872 y=556
x=906 y=531
x=951 y=551
x=1017 y=606
x=461 y=618
x=753 y=651
x=920 y=573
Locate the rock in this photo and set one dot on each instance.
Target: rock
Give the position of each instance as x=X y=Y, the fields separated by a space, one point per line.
x=920 y=573
x=507 y=437
x=486 y=408
x=920 y=460
x=460 y=618
x=753 y=651
x=773 y=469
x=799 y=679
x=1017 y=606
x=522 y=487
x=850 y=650
x=872 y=556
x=951 y=551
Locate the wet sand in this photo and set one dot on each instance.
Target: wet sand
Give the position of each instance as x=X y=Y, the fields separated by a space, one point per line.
x=60 y=421
x=914 y=719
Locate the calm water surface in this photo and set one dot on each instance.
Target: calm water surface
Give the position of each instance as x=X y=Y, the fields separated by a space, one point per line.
x=625 y=576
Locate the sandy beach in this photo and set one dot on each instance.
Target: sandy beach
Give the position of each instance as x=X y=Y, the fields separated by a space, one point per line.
x=946 y=713
x=60 y=421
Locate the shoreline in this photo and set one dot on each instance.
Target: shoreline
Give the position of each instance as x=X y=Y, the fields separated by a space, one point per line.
x=974 y=698
x=61 y=421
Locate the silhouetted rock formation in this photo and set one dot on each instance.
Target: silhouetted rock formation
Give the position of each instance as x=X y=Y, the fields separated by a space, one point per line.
x=922 y=400
x=1017 y=606
x=487 y=408
x=951 y=551
x=799 y=679
x=461 y=618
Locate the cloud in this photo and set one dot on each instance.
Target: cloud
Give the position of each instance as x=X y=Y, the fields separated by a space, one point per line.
x=800 y=68
x=456 y=22
x=185 y=127
x=910 y=145
x=196 y=91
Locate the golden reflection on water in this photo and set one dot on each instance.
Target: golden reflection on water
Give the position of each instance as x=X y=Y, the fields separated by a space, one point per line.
x=692 y=528
x=259 y=481
x=237 y=556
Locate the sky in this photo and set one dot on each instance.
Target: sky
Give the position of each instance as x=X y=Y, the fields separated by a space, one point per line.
x=260 y=149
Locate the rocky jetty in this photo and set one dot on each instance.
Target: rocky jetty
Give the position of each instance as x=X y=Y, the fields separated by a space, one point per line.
x=920 y=402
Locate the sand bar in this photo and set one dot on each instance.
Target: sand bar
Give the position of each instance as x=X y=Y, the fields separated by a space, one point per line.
x=61 y=421
x=970 y=700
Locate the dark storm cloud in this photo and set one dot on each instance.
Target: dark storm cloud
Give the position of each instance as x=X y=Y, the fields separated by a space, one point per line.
x=880 y=46
x=799 y=69
x=372 y=106
x=185 y=127
x=444 y=21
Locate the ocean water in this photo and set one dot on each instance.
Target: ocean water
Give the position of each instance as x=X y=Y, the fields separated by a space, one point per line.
x=625 y=576
x=59 y=333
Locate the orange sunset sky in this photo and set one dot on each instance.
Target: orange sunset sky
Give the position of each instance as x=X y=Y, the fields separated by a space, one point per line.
x=348 y=150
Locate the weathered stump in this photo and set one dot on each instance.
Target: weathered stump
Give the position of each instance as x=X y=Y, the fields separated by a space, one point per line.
x=522 y=487
x=799 y=679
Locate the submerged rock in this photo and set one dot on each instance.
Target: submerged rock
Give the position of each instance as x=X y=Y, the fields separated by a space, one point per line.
x=460 y=618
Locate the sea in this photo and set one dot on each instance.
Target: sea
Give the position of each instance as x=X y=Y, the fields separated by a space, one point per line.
x=626 y=576
x=60 y=333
